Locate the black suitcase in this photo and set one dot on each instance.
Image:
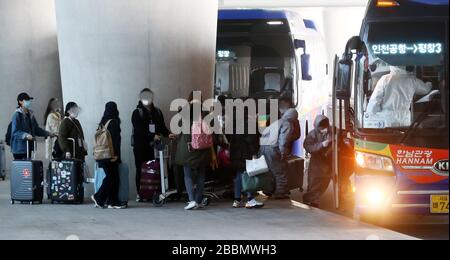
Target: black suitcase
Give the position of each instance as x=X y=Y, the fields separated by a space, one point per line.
x=27 y=177
x=296 y=167
x=2 y=162
x=66 y=180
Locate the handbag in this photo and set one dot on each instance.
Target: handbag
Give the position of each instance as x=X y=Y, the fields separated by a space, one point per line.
x=256 y=166
x=202 y=137
x=263 y=182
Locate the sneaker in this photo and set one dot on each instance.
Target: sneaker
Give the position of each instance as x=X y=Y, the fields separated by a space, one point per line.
x=254 y=204
x=96 y=203
x=192 y=205
x=237 y=204
x=138 y=198
x=117 y=207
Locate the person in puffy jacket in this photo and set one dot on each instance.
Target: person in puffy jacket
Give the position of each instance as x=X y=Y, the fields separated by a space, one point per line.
x=276 y=145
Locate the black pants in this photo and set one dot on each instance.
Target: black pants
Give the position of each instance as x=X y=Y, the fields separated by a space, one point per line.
x=20 y=156
x=109 y=191
x=141 y=156
x=317 y=186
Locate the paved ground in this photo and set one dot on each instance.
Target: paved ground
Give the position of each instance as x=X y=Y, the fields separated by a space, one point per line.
x=279 y=221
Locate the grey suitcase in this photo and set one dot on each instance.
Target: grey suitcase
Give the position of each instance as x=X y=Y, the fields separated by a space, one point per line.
x=27 y=179
x=2 y=162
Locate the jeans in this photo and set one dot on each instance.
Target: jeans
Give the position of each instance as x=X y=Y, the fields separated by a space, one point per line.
x=194 y=180
x=109 y=191
x=238 y=187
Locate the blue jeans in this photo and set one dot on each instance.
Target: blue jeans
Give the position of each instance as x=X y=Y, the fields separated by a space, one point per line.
x=195 y=183
x=238 y=187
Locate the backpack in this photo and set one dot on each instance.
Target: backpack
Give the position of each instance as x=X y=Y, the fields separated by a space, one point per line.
x=202 y=138
x=103 y=146
x=8 y=135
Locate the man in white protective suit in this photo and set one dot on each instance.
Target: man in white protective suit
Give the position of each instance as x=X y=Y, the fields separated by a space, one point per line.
x=393 y=95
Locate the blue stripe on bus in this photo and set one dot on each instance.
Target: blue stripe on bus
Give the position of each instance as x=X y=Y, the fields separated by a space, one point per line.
x=431 y=2
x=251 y=15
x=310 y=24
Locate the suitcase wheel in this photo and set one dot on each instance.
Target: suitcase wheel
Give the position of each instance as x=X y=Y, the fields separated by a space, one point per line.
x=158 y=201
x=12 y=202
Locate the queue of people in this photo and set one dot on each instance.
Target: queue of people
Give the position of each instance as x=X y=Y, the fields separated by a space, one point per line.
x=194 y=154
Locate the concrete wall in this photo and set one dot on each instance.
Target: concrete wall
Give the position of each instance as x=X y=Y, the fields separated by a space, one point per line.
x=112 y=49
x=28 y=56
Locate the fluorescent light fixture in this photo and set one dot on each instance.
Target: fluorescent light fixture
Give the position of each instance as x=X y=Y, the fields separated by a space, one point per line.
x=274 y=23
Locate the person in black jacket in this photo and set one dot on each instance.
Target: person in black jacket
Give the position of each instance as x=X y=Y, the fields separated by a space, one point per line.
x=109 y=191
x=148 y=127
x=243 y=147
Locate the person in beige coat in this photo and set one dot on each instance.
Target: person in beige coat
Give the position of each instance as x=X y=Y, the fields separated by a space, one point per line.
x=53 y=121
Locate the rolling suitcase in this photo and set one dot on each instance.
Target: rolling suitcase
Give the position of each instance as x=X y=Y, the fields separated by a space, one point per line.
x=150 y=180
x=2 y=162
x=27 y=177
x=296 y=173
x=66 y=181
x=124 y=187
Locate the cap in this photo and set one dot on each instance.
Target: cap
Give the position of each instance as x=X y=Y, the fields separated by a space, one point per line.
x=24 y=96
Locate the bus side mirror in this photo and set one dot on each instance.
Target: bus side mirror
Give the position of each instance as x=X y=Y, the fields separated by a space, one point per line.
x=299 y=44
x=305 y=67
x=305 y=59
x=343 y=79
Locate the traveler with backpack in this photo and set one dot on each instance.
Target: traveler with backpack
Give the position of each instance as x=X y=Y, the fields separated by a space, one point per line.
x=107 y=153
x=24 y=128
x=148 y=127
x=71 y=133
x=194 y=154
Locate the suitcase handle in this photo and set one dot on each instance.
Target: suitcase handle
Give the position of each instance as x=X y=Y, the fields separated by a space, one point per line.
x=29 y=156
x=74 y=143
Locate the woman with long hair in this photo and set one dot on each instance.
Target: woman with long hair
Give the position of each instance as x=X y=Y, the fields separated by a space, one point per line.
x=53 y=119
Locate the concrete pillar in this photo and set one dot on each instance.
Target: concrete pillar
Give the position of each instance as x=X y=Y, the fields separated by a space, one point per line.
x=112 y=49
x=28 y=57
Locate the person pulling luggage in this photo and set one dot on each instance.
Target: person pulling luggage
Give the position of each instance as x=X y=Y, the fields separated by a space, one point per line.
x=24 y=128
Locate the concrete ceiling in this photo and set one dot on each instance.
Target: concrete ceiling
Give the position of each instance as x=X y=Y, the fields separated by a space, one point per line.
x=289 y=3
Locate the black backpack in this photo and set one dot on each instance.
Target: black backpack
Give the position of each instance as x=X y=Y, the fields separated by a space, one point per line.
x=8 y=135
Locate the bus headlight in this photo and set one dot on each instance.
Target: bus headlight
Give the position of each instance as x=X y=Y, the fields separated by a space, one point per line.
x=375 y=197
x=374 y=162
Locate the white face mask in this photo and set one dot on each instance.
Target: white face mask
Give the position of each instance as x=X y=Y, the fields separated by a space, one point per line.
x=147 y=99
x=283 y=110
x=74 y=113
x=324 y=131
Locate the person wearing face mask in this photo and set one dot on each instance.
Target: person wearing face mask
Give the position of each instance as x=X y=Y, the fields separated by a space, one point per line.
x=318 y=144
x=277 y=142
x=148 y=127
x=53 y=119
x=24 y=128
x=69 y=130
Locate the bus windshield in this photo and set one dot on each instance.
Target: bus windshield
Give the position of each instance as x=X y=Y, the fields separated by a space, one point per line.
x=403 y=80
x=255 y=64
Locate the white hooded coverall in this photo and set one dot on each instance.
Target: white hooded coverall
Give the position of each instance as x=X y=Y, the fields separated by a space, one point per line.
x=393 y=95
